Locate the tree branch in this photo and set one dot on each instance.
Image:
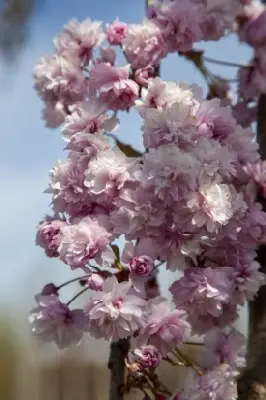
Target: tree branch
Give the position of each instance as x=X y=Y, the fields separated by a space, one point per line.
x=116 y=364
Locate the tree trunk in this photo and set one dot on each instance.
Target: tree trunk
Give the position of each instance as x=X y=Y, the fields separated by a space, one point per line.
x=116 y=364
x=252 y=383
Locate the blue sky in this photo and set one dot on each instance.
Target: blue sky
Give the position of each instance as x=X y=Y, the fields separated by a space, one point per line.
x=29 y=150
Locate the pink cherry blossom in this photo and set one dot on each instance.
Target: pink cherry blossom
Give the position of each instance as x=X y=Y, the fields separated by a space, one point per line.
x=246 y=280
x=84 y=241
x=254 y=32
x=48 y=235
x=257 y=172
x=179 y=23
x=214 y=120
x=218 y=383
x=67 y=186
x=115 y=88
x=227 y=346
x=54 y=113
x=212 y=205
x=144 y=45
x=244 y=114
x=116 y=32
x=89 y=117
x=148 y=356
x=115 y=312
x=53 y=321
x=94 y=282
x=79 y=38
x=59 y=79
x=108 y=174
x=164 y=329
x=202 y=292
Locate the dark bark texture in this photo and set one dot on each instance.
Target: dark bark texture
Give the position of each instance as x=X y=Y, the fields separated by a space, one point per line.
x=116 y=364
x=252 y=383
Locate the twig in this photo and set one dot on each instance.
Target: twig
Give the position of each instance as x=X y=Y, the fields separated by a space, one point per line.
x=77 y=295
x=226 y=63
x=187 y=360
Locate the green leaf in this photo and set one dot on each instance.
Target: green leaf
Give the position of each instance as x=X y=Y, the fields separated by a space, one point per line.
x=127 y=149
x=116 y=250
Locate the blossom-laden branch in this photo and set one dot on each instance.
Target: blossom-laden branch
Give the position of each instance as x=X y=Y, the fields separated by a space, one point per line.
x=189 y=202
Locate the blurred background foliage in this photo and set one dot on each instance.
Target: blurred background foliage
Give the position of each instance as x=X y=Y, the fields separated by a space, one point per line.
x=15 y=16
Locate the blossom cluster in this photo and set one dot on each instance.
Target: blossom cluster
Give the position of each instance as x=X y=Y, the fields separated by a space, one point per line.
x=188 y=203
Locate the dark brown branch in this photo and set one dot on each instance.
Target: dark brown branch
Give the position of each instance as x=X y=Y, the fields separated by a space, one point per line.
x=116 y=364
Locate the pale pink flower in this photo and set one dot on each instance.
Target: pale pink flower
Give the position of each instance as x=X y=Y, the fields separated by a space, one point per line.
x=246 y=280
x=148 y=356
x=223 y=346
x=170 y=172
x=54 y=113
x=48 y=235
x=89 y=117
x=115 y=312
x=84 y=241
x=67 y=187
x=116 y=32
x=115 y=88
x=252 y=81
x=219 y=18
x=218 y=383
x=86 y=144
x=244 y=114
x=174 y=124
x=53 y=321
x=94 y=282
x=211 y=205
x=202 y=292
x=139 y=260
x=179 y=23
x=214 y=120
x=243 y=143
x=164 y=329
x=215 y=159
x=162 y=94
x=257 y=172
x=254 y=31
x=79 y=38
x=108 y=174
x=144 y=45
x=59 y=79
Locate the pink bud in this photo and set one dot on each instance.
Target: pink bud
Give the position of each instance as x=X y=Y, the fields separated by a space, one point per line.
x=48 y=235
x=95 y=282
x=142 y=265
x=49 y=289
x=116 y=32
x=148 y=356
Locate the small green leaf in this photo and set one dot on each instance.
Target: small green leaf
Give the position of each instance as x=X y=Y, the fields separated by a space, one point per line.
x=127 y=149
x=116 y=250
